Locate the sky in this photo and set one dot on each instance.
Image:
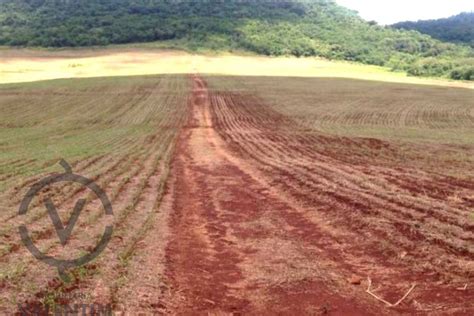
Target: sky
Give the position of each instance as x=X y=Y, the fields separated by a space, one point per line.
x=392 y=11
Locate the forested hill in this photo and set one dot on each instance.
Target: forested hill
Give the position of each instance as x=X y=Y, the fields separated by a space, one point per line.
x=301 y=28
x=456 y=29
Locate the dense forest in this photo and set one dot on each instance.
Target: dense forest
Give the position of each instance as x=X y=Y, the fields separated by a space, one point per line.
x=456 y=29
x=300 y=28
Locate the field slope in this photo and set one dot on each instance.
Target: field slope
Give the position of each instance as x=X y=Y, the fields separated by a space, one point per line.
x=254 y=195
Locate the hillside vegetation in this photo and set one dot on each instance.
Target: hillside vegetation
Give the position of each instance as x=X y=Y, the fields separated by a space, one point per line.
x=300 y=28
x=456 y=29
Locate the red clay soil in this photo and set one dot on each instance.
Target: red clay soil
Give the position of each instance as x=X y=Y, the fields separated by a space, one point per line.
x=232 y=249
x=264 y=221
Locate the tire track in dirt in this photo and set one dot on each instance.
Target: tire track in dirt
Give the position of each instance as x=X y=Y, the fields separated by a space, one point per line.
x=235 y=244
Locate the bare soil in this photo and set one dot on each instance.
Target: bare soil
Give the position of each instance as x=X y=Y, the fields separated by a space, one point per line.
x=263 y=222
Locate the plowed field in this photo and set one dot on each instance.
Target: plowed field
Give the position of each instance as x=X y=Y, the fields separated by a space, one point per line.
x=245 y=195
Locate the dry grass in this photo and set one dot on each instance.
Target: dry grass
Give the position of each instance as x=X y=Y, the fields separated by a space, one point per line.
x=32 y=65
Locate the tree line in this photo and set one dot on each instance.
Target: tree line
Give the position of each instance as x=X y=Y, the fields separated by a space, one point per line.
x=299 y=28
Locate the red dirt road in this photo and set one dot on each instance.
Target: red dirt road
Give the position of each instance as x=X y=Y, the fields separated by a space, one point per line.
x=234 y=246
x=262 y=222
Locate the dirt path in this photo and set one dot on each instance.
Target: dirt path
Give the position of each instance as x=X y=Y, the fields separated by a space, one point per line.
x=233 y=247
